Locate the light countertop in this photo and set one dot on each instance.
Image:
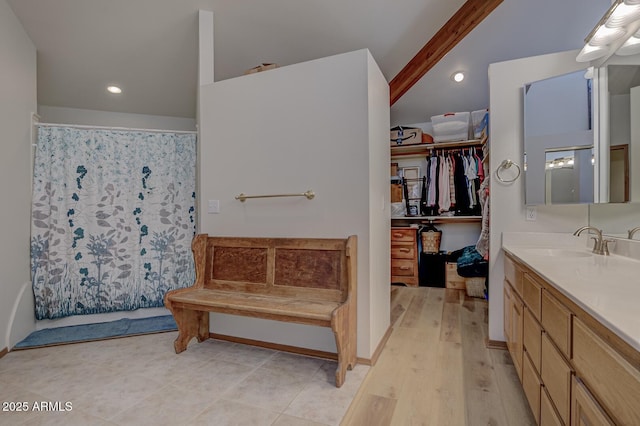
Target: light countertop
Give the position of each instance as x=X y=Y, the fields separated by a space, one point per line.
x=607 y=287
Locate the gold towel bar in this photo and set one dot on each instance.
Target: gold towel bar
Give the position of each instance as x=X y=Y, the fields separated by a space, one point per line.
x=309 y=194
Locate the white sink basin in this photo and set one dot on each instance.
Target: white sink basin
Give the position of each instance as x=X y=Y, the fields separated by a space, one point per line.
x=566 y=253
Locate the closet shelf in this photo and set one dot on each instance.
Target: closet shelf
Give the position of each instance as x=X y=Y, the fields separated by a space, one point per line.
x=421 y=150
x=436 y=219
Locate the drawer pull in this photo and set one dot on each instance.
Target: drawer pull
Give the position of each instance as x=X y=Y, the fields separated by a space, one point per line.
x=404 y=268
x=405 y=250
x=398 y=235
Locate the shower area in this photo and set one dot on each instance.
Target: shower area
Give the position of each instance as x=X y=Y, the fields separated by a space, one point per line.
x=113 y=216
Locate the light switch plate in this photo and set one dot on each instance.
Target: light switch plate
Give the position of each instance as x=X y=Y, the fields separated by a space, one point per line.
x=214 y=206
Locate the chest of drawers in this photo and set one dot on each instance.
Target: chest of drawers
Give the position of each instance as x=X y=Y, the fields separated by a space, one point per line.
x=404 y=256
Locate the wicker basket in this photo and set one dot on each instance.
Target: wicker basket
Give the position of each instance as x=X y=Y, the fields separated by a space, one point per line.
x=475 y=286
x=431 y=241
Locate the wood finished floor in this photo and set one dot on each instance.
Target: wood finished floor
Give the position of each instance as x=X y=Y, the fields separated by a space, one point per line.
x=436 y=370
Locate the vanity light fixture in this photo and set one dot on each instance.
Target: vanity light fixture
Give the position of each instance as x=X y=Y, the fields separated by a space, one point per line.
x=114 y=89
x=617 y=30
x=457 y=76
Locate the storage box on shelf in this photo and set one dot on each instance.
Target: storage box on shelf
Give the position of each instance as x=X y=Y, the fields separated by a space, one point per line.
x=450 y=127
x=479 y=123
x=401 y=136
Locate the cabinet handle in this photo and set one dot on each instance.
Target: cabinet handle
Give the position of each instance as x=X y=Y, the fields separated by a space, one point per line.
x=404 y=268
x=398 y=235
x=405 y=250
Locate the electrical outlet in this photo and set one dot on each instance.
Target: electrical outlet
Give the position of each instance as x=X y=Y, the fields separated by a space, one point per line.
x=531 y=213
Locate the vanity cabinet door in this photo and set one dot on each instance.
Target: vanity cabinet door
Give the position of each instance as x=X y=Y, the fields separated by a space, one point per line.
x=513 y=274
x=532 y=333
x=531 y=294
x=548 y=414
x=556 y=321
x=531 y=385
x=585 y=410
x=610 y=378
x=513 y=308
x=507 y=312
x=556 y=376
x=516 y=333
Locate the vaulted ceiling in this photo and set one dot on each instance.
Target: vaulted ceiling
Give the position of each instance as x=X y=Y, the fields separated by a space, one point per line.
x=149 y=47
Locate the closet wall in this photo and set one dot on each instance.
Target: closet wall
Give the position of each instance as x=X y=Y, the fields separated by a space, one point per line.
x=17 y=103
x=320 y=125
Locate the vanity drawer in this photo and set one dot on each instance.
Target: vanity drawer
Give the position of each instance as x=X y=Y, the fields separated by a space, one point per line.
x=531 y=385
x=532 y=333
x=548 y=414
x=407 y=235
x=403 y=251
x=556 y=376
x=609 y=377
x=513 y=274
x=556 y=321
x=532 y=294
x=402 y=267
x=585 y=410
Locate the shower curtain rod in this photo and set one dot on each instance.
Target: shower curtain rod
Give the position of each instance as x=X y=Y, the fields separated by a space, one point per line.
x=129 y=129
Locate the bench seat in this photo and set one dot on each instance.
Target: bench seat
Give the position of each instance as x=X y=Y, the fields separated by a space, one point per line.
x=299 y=280
x=305 y=311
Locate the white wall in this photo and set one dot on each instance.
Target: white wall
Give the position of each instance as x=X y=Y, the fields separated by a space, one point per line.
x=379 y=260
x=87 y=117
x=507 y=208
x=17 y=104
x=320 y=125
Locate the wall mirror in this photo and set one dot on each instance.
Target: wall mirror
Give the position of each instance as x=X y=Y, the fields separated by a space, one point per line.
x=559 y=140
x=569 y=175
x=619 y=140
x=619 y=101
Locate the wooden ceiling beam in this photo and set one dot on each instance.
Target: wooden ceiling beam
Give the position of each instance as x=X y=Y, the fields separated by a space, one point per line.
x=457 y=27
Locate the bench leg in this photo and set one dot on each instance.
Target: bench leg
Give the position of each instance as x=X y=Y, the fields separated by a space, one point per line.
x=190 y=324
x=343 y=328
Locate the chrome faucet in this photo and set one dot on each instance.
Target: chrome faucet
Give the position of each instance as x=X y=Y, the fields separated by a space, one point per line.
x=633 y=231
x=600 y=246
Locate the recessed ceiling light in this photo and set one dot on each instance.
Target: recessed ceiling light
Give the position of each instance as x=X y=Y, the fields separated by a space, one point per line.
x=457 y=76
x=114 y=89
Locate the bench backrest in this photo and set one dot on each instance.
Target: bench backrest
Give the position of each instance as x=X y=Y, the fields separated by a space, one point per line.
x=302 y=268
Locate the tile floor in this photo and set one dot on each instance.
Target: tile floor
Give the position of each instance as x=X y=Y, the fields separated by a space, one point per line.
x=140 y=380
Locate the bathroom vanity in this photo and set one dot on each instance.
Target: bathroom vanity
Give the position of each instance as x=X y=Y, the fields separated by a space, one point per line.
x=572 y=328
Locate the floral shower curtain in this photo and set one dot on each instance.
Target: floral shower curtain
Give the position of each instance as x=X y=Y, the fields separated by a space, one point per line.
x=113 y=217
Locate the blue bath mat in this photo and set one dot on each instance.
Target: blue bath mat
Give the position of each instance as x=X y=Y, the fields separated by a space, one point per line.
x=104 y=330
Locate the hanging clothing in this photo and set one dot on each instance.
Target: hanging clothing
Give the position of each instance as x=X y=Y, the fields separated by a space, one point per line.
x=482 y=246
x=461 y=187
x=444 y=199
x=452 y=185
x=432 y=180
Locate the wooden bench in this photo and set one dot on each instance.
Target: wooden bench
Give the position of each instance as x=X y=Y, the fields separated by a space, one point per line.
x=300 y=280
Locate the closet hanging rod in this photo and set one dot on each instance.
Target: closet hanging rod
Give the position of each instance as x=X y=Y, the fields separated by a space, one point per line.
x=129 y=129
x=309 y=194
